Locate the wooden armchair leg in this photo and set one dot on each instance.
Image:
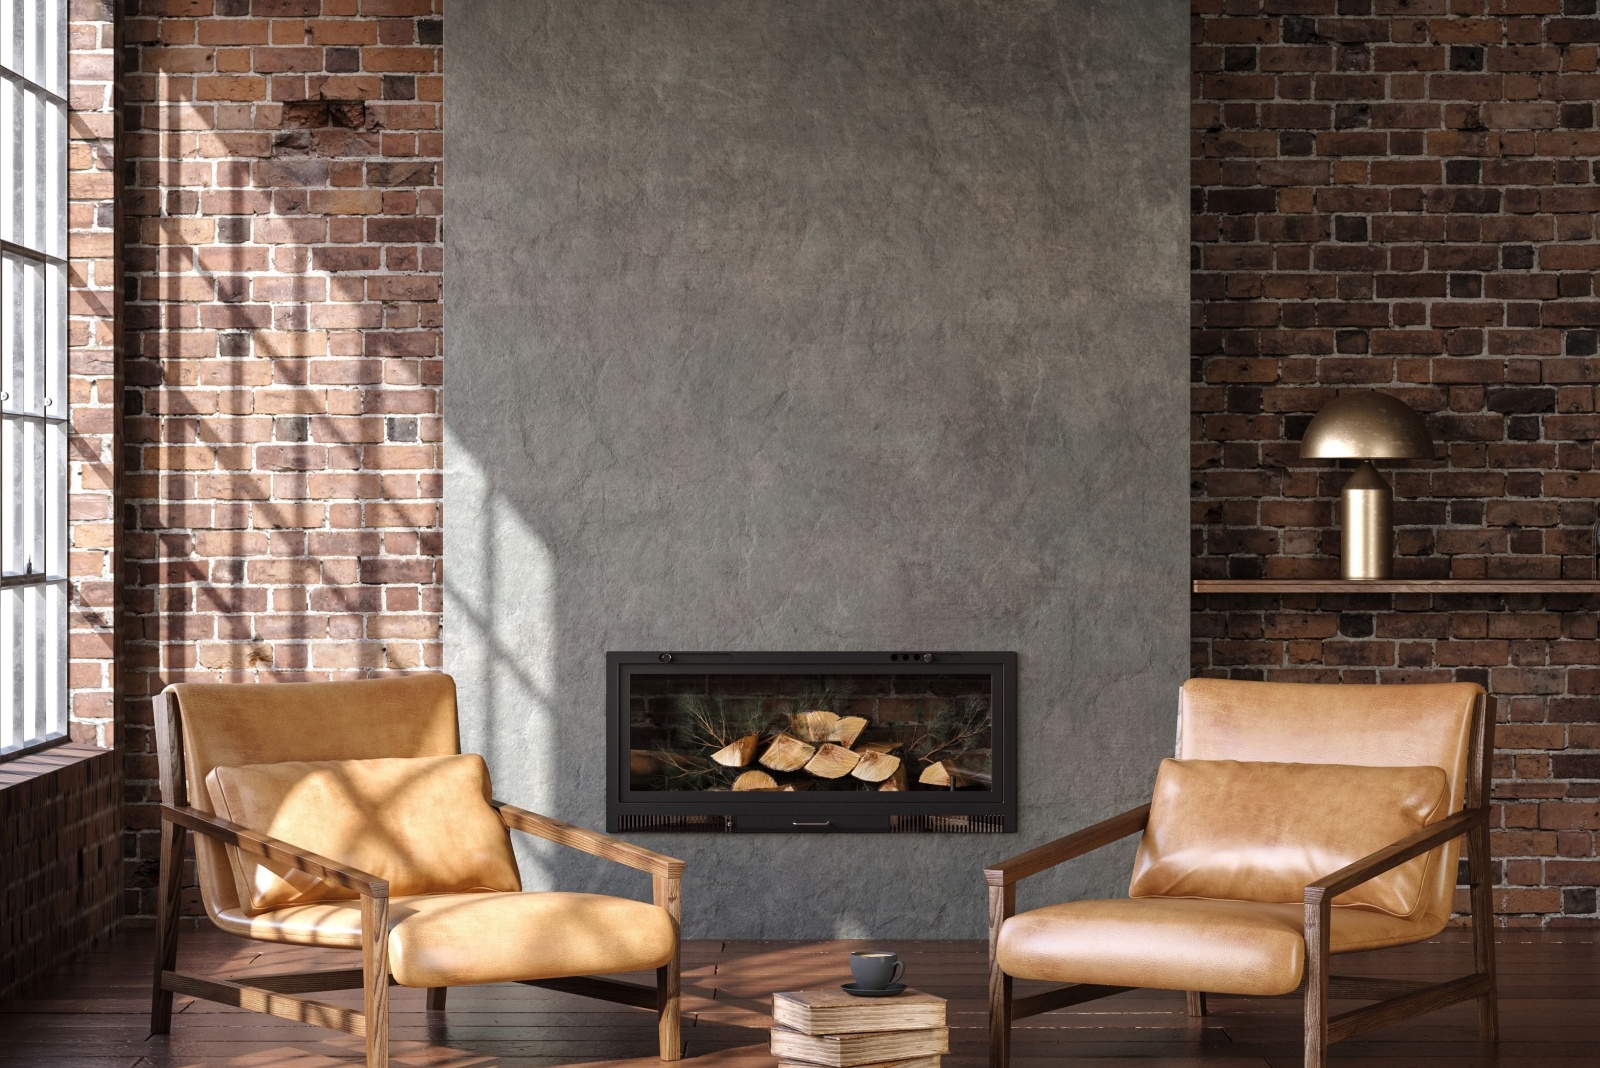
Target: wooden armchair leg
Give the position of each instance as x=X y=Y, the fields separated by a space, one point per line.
x=667 y=1010
x=999 y=1018
x=1195 y=1002
x=375 y=978
x=436 y=996
x=1002 y=904
x=667 y=892
x=1316 y=1019
x=1481 y=870
x=167 y=920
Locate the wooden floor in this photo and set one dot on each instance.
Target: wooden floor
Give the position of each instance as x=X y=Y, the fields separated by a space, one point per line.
x=93 y=1014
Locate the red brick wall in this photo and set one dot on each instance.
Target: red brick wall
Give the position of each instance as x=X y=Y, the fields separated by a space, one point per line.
x=282 y=360
x=94 y=379
x=1402 y=194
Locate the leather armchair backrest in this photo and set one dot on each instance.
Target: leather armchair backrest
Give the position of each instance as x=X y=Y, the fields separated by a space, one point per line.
x=1341 y=723
x=234 y=724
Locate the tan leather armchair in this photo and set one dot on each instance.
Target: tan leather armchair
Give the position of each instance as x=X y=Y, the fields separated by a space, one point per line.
x=1218 y=904
x=214 y=738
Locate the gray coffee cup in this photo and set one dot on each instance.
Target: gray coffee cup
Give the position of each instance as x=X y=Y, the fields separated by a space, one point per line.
x=876 y=969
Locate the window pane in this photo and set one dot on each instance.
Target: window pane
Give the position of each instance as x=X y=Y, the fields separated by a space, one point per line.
x=24 y=466
x=11 y=33
x=32 y=323
x=14 y=487
x=13 y=731
x=22 y=325
x=11 y=135
x=33 y=40
x=33 y=665
x=33 y=159
x=53 y=68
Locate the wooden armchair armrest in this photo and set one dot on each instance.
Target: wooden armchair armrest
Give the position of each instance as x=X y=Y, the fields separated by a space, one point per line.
x=265 y=846
x=1390 y=856
x=1041 y=858
x=591 y=842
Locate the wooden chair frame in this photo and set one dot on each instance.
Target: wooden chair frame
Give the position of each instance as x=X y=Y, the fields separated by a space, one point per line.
x=275 y=994
x=1400 y=998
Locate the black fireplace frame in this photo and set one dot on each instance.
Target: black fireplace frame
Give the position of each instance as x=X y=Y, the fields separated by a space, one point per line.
x=959 y=811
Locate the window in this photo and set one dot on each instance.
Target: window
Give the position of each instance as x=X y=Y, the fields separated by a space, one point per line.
x=33 y=389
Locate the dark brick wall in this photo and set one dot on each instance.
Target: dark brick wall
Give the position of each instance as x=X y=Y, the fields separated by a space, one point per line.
x=1402 y=194
x=60 y=858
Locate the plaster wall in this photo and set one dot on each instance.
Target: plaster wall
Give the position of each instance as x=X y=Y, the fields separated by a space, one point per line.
x=823 y=324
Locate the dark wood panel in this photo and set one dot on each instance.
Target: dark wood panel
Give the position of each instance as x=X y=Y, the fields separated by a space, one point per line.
x=94 y=1014
x=1396 y=586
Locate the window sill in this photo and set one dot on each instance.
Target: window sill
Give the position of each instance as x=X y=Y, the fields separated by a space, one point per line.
x=37 y=765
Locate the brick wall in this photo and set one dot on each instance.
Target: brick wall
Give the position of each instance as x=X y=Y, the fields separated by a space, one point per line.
x=282 y=360
x=94 y=380
x=60 y=836
x=1402 y=194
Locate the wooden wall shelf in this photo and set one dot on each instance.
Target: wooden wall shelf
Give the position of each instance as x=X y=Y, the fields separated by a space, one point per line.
x=1396 y=586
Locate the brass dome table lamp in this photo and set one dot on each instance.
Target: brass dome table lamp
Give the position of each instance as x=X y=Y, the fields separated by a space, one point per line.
x=1367 y=426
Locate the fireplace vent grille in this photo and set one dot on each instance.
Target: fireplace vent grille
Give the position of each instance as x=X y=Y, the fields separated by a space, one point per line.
x=674 y=823
x=913 y=824
x=907 y=824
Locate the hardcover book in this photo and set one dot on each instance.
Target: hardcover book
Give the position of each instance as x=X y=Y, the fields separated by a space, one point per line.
x=850 y=1051
x=833 y=1012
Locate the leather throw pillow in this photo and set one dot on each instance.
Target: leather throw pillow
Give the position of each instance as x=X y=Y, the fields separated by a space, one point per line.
x=1247 y=831
x=424 y=823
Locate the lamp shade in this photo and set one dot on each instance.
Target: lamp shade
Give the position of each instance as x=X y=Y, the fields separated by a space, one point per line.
x=1367 y=426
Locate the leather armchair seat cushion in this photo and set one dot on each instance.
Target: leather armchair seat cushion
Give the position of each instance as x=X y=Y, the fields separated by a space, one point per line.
x=465 y=939
x=422 y=823
x=1258 y=831
x=1224 y=947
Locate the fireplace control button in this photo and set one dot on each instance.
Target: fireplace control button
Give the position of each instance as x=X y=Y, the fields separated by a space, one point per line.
x=666 y=658
x=927 y=658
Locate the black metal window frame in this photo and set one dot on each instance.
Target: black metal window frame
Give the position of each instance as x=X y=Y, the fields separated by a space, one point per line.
x=33 y=393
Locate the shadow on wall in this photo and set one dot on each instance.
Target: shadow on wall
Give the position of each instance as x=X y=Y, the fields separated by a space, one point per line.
x=503 y=659
x=262 y=289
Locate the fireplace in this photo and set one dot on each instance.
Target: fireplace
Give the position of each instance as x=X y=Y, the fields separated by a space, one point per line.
x=811 y=742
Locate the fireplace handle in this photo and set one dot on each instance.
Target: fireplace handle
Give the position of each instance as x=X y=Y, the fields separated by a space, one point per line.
x=812 y=823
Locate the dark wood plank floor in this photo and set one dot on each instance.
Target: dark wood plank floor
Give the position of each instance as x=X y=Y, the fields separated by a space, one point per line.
x=93 y=1014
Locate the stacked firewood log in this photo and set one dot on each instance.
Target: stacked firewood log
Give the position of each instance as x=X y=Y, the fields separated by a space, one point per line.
x=822 y=744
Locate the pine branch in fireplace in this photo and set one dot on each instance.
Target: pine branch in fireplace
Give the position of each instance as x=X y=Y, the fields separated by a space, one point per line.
x=952 y=741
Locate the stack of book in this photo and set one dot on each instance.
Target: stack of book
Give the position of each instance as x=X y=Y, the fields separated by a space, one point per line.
x=835 y=1030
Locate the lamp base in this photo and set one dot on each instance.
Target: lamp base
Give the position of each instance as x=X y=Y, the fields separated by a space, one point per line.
x=1367 y=540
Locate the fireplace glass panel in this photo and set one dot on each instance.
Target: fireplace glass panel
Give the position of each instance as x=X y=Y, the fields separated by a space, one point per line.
x=810 y=732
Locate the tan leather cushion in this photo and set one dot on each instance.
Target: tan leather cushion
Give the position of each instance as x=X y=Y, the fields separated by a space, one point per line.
x=495 y=938
x=424 y=824
x=461 y=939
x=1226 y=947
x=1256 y=831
